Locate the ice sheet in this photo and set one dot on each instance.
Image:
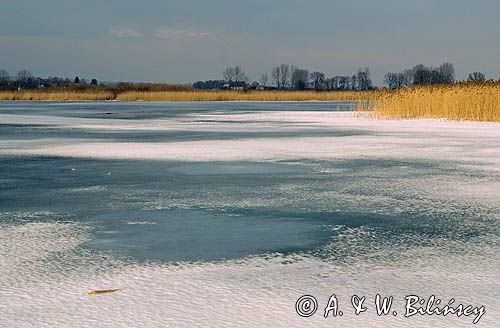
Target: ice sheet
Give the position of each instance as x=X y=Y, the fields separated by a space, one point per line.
x=442 y=176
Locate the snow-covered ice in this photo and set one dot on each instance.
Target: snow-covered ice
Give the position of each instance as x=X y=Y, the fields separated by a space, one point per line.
x=422 y=196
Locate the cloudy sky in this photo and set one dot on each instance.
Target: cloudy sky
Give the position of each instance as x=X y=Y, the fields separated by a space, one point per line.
x=188 y=40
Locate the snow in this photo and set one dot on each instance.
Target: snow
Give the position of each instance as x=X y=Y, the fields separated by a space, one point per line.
x=470 y=142
x=45 y=275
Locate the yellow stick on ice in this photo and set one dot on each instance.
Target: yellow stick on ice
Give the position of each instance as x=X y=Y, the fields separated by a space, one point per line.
x=102 y=291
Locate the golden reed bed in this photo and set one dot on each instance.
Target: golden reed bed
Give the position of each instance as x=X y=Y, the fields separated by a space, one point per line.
x=56 y=95
x=246 y=96
x=460 y=101
x=195 y=95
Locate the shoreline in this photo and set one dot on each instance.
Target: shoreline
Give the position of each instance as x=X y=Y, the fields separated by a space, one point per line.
x=477 y=102
x=184 y=101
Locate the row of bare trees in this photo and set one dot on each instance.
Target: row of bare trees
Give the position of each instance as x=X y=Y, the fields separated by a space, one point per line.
x=421 y=74
x=291 y=77
x=234 y=74
x=283 y=77
x=286 y=77
x=476 y=77
x=22 y=76
x=24 y=79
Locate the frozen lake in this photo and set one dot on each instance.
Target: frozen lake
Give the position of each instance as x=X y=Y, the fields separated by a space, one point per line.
x=224 y=214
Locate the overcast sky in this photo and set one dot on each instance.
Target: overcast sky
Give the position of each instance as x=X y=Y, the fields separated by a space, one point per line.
x=188 y=40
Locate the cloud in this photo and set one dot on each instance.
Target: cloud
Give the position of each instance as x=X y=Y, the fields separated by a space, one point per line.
x=124 y=32
x=171 y=33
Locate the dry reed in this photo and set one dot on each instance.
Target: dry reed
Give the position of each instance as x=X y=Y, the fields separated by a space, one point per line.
x=460 y=101
x=247 y=96
x=191 y=95
x=38 y=95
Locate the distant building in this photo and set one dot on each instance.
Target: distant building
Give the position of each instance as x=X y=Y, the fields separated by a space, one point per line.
x=235 y=86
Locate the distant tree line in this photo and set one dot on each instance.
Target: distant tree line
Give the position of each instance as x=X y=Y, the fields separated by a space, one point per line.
x=24 y=79
x=476 y=77
x=289 y=77
x=282 y=77
x=421 y=74
x=210 y=84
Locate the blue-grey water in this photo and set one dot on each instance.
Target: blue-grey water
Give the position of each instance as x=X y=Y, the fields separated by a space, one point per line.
x=102 y=195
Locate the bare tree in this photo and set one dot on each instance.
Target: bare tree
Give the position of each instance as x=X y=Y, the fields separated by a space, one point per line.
x=4 y=76
x=400 y=79
x=354 y=82
x=364 y=81
x=234 y=74
x=447 y=72
x=264 y=79
x=408 y=76
x=228 y=74
x=390 y=80
x=394 y=80
x=24 y=79
x=436 y=77
x=422 y=74
x=24 y=75
x=476 y=77
x=332 y=83
x=239 y=75
x=318 y=80
x=299 y=78
x=344 y=82
x=281 y=76
x=276 y=76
